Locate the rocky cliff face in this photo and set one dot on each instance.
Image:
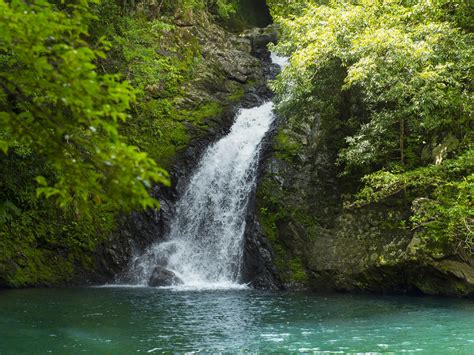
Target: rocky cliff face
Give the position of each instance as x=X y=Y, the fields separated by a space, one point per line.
x=298 y=234
x=230 y=64
x=321 y=245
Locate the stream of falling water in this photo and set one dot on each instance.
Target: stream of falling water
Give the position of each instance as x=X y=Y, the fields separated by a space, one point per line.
x=205 y=244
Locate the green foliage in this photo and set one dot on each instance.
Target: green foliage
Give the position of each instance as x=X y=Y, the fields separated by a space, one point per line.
x=286 y=8
x=405 y=64
x=181 y=8
x=298 y=272
x=39 y=243
x=160 y=59
x=224 y=8
x=53 y=101
x=445 y=217
x=87 y=151
x=274 y=210
x=286 y=147
x=391 y=83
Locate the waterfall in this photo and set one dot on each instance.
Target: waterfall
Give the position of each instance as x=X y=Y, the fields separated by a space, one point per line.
x=205 y=244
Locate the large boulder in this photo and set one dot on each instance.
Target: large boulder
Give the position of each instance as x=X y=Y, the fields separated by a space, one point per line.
x=260 y=37
x=163 y=277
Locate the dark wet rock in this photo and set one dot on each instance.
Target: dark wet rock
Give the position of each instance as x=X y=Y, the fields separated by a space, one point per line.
x=163 y=277
x=242 y=44
x=321 y=245
x=252 y=99
x=260 y=38
x=229 y=67
x=258 y=268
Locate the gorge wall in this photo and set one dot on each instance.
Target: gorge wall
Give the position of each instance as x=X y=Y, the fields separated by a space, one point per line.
x=246 y=56
x=369 y=187
x=191 y=71
x=320 y=245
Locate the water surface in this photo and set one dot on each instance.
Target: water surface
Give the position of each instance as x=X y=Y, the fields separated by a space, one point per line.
x=130 y=320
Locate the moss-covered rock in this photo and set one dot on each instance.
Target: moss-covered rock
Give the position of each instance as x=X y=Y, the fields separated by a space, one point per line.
x=176 y=130
x=189 y=73
x=319 y=244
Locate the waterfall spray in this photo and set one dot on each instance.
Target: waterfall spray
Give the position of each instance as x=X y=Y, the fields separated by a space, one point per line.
x=204 y=247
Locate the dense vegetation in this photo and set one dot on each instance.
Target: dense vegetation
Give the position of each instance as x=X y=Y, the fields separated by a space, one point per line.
x=393 y=80
x=96 y=103
x=92 y=107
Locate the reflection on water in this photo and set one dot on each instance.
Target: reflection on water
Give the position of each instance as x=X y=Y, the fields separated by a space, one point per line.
x=129 y=320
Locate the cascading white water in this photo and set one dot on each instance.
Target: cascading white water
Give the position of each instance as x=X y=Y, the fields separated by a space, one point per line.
x=205 y=243
x=282 y=62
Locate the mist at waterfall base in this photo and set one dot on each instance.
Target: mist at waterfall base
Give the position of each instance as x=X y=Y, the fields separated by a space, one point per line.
x=205 y=242
x=204 y=248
